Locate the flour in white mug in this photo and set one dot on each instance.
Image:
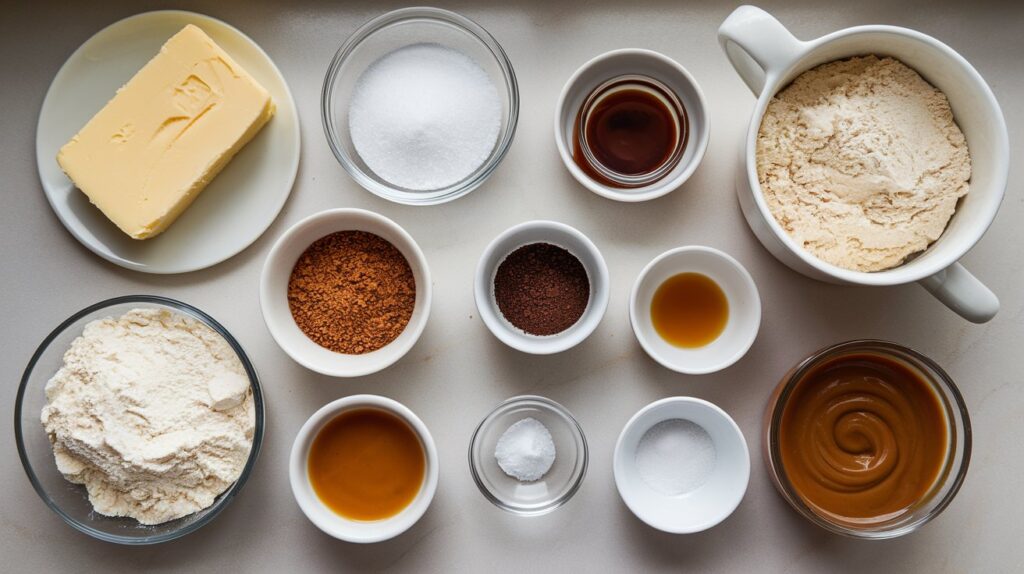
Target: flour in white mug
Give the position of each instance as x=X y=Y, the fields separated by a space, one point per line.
x=862 y=163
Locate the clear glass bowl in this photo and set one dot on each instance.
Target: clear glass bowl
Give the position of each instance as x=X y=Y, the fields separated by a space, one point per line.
x=390 y=32
x=70 y=501
x=950 y=478
x=557 y=486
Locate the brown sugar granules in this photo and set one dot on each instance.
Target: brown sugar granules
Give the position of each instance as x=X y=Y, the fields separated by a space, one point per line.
x=352 y=292
x=542 y=289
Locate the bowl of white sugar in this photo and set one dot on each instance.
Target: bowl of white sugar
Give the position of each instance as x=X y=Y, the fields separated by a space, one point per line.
x=420 y=105
x=681 y=465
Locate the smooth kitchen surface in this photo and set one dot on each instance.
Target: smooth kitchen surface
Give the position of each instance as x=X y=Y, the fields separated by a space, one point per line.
x=458 y=371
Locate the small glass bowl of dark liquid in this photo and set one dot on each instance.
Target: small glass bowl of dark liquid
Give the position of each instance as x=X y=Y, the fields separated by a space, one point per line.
x=631 y=131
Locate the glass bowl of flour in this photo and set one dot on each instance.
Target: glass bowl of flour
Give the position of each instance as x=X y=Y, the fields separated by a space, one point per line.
x=420 y=105
x=138 y=419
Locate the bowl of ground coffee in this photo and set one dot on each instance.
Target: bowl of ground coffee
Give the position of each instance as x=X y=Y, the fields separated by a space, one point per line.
x=541 y=287
x=345 y=292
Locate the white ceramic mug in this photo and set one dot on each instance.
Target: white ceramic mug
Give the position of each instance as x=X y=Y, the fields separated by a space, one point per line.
x=767 y=57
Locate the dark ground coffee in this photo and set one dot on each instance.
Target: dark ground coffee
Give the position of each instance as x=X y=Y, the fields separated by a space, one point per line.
x=542 y=289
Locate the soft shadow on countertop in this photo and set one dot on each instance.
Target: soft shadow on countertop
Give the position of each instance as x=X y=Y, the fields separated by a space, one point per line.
x=344 y=556
x=752 y=525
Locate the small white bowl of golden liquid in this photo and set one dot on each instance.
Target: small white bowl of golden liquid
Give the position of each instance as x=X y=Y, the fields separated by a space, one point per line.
x=695 y=310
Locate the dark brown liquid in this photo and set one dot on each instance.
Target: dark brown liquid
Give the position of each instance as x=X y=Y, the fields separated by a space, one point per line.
x=863 y=438
x=366 y=464
x=630 y=131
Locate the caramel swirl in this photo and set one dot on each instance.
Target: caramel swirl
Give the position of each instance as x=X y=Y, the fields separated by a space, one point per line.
x=862 y=438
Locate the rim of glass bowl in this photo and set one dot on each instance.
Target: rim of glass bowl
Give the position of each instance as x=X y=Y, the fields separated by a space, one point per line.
x=953 y=476
x=222 y=501
x=501 y=147
x=574 y=426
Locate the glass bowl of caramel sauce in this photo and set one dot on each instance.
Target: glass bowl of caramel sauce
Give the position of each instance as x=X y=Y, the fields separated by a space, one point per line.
x=867 y=439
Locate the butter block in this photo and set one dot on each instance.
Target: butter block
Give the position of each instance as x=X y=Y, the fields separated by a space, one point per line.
x=166 y=134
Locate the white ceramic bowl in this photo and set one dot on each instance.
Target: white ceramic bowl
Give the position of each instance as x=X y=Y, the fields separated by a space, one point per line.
x=554 y=233
x=358 y=530
x=629 y=62
x=710 y=503
x=744 y=309
x=274 y=292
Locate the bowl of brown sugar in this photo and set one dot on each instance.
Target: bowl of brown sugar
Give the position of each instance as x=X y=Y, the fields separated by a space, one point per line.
x=345 y=292
x=541 y=287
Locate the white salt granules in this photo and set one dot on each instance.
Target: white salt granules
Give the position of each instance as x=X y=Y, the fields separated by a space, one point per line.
x=675 y=456
x=424 y=117
x=525 y=451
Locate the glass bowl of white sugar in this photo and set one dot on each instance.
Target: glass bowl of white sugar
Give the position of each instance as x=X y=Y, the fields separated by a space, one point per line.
x=528 y=456
x=420 y=105
x=192 y=329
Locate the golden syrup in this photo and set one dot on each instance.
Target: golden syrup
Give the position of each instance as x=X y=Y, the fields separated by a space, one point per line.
x=366 y=464
x=689 y=310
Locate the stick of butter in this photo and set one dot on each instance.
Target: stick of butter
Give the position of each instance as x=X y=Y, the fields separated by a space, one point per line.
x=165 y=135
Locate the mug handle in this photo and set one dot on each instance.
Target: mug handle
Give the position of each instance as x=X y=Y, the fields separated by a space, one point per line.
x=757 y=45
x=957 y=289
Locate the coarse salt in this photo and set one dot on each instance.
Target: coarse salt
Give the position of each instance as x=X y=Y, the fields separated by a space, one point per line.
x=424 y=117
x=675 y=456
x=525 y=450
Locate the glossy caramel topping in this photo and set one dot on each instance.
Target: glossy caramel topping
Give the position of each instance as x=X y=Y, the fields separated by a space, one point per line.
x=863 y=438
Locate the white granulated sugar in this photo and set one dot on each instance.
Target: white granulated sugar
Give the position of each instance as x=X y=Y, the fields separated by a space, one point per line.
x=676 y=456
x=862 y=163
x=152 y=412
x=525 y=451
x=424 y=117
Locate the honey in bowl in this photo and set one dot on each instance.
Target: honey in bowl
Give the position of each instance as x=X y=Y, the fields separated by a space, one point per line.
x=863 y=439
x=366 y=464
x=689 y=310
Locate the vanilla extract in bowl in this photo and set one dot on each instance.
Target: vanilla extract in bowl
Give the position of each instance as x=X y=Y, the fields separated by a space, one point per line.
x=631 y=131
x=689 y=310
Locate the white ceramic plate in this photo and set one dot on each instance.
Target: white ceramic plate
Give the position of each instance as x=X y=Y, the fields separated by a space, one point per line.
x=232 y=212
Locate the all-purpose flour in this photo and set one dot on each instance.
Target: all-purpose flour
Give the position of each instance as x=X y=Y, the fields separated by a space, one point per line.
x=861 y=162
x=152 y=412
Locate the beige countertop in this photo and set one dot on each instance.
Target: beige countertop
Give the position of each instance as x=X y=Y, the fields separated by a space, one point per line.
x=458 y=371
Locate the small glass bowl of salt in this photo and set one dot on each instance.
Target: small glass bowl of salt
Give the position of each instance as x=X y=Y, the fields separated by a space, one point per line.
x=420 y=105
x=528 y=456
